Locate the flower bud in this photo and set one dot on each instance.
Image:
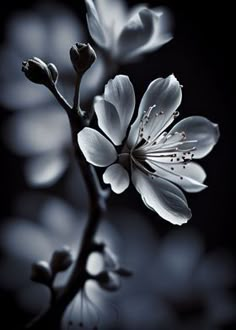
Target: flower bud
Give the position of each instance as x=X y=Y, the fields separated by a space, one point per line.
x=108 y=281
x=61 y=259
x=82 y=57
x=41 y=272
x=39 y=72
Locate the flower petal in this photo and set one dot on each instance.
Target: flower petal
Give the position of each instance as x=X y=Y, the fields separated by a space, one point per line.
x=136 y=33
x=108 y=119
x=94 y=24
x=117 y=177
x=162 y=197
x=160 y=35
x=39 y=131
x=189 y=177
x=163 y=93
x=120 y=92
x=200 y=129
x=46 y=169
x=113 y=14
x=96 y=148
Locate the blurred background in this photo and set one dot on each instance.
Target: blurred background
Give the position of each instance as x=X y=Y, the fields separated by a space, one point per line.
x=184 y=278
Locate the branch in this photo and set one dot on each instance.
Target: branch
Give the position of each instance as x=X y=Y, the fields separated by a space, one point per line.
x=52 y=317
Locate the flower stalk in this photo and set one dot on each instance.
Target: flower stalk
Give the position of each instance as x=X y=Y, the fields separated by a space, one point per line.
x=51 y=318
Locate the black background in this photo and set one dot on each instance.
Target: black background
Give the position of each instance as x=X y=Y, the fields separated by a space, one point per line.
x=201 y=57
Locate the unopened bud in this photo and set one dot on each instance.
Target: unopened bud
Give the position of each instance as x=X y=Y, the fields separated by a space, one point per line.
x=108 y=281
x=39 y=72
x=61 y=259
x=41 y=272
x=82 y=57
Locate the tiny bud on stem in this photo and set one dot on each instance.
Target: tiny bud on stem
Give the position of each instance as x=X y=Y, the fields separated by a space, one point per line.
x=39 y=72
x=61 y=260
x=82 y=57
x=41 y=272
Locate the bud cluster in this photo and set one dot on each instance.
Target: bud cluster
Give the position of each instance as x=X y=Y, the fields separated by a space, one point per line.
x=39 y=72
x=44 y=272
x=109 y=278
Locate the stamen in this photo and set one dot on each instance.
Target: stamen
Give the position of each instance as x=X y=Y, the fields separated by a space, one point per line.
x=143 y=123
x=176 y=114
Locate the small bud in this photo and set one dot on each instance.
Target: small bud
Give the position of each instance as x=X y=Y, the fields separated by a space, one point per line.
x=82 y=57
x=108 y=281
x=41 y=272
x=61 y=259
x=38 y=71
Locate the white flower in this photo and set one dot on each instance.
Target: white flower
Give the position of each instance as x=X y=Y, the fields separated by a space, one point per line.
x=127 y=34
x=154 y=157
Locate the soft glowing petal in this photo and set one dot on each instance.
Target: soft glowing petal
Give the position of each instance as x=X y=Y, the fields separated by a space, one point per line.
x=160 y=35
x=200 y=129
x=96 y=148
x=190 y=177
x=163 y=93
x=136 y=33
x=120 y=92
x=113 y=14
x=162 y=197
x=46 y=169
x=94 y=24
x=38 y=131
x=117 y=177
x=108 y=120
x=162 y=28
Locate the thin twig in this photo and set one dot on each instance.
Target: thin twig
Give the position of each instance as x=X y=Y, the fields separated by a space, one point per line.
x=51 y=318
x=60 y=98
x=76 y=102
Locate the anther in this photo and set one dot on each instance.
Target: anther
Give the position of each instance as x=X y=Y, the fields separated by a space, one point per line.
x=176 y=114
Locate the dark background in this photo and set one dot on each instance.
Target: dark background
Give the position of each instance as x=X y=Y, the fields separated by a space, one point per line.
x=201 y=57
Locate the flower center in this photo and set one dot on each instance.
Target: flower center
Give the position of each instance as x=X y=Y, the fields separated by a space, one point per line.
x=155 y=147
